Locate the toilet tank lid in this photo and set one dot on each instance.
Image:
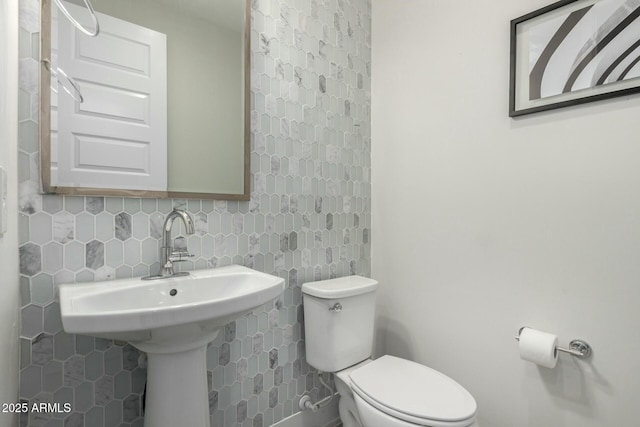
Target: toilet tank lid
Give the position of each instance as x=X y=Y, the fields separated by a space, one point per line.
x=340 y=287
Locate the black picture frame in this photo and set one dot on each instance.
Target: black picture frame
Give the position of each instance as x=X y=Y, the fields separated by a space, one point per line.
x=573 y=52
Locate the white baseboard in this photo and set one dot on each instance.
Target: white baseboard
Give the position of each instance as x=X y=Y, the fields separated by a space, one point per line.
x=325 y=417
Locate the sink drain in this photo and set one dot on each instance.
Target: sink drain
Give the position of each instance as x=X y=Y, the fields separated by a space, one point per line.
x=173 y=292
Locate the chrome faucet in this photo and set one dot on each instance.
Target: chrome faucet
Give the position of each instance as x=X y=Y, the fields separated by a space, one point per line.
x=167 y=253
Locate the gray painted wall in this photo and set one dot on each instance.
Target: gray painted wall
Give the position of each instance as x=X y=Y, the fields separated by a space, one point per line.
x=486 y=223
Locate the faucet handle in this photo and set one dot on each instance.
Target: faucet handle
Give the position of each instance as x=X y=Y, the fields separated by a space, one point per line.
x=178 y=256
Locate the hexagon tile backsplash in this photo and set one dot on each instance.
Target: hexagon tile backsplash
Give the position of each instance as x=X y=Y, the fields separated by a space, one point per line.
x=309 y=218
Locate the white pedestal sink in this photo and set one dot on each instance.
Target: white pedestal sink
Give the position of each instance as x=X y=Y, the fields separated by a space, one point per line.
x=172 y=320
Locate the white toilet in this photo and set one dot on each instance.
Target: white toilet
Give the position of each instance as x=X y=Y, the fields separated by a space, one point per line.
x=386 y=392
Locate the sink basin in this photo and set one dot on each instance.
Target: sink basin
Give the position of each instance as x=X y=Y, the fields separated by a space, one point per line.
x=138 y=310
x=173 y=320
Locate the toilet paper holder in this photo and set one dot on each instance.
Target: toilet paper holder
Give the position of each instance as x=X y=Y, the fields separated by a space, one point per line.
x=577 y=348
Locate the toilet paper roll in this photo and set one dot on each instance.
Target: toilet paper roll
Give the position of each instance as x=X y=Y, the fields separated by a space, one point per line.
x=539 y=347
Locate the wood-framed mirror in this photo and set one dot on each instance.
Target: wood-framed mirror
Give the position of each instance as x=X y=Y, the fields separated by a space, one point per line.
x=157 y=104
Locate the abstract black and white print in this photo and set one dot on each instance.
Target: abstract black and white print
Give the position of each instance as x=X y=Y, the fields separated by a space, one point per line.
x=596 y=45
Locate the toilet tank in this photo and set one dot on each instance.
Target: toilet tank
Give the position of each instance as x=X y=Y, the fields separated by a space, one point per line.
x=338 y=321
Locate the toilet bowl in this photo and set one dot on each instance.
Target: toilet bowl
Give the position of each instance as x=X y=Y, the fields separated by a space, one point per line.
x=386 y=392
x=395 y=392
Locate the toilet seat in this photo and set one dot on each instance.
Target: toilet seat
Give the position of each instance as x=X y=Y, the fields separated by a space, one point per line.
x=413 y=393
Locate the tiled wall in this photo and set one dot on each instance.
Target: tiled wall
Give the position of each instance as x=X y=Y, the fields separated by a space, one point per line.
x=308 y=218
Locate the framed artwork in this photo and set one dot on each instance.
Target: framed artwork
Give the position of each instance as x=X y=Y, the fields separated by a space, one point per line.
x=573 y=52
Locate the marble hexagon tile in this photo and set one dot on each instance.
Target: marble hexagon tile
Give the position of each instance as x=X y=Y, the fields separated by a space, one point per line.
x=309 y=218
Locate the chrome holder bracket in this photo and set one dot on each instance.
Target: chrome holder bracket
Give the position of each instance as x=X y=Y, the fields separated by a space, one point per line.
x=578 y=348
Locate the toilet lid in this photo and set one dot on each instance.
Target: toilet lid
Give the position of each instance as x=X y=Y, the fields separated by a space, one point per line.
x=408 y=388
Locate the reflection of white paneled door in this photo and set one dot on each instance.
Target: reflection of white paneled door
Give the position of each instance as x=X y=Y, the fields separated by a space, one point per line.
x=116 y=138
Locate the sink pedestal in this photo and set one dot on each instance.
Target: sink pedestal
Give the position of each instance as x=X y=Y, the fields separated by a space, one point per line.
x=177 y=392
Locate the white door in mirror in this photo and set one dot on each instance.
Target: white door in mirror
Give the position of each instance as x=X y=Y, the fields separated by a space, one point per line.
x=3 y=201
x=117 y=137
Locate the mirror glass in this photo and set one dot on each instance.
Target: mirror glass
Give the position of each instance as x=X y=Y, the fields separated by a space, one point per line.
x=155 y=105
